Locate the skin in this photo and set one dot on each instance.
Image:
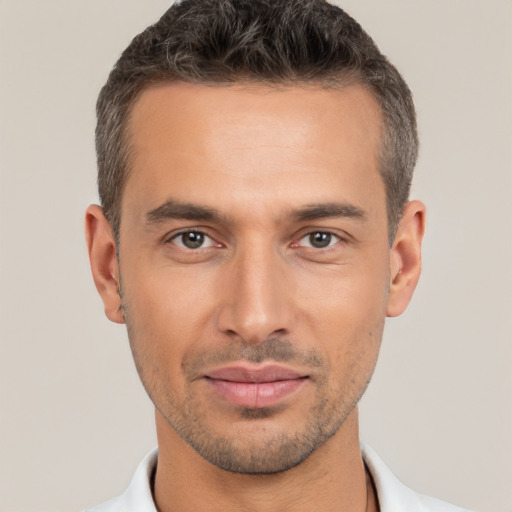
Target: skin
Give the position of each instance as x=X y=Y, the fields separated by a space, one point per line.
x=276 y=166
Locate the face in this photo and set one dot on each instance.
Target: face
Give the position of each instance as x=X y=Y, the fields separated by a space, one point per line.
x=254 y=265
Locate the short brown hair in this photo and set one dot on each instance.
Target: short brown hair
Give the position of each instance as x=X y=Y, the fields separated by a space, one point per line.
x=290 y=42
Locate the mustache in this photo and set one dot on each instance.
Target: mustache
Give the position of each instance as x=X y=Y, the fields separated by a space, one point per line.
x=278 y=349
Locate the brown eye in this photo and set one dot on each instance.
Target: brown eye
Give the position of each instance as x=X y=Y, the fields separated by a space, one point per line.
x=319 y=240
x=193 y=240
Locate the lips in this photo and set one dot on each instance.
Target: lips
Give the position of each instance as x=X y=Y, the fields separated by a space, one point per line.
x=254 y=387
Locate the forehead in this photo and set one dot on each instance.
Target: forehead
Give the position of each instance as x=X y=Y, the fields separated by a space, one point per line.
x=215 y=112
x=260 y=143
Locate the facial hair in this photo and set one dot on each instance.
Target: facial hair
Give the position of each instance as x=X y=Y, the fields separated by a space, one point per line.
x=267 y=451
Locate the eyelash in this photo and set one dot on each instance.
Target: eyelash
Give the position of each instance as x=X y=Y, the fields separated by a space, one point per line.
x=213 y=243
x=199 y=232
x=332 y=237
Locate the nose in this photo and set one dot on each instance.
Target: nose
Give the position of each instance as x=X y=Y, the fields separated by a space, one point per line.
x=257 y=296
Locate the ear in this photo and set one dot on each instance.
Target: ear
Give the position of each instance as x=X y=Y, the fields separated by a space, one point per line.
x=104 y=265
x=405 y=258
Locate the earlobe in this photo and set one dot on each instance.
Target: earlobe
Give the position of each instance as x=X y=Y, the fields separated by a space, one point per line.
x=405 y=258
x=104 y=265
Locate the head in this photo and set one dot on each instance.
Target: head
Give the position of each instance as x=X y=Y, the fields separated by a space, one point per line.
x=254 y=165
x=277 y=43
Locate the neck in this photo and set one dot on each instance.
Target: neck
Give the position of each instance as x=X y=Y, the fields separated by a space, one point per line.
x=331 y=479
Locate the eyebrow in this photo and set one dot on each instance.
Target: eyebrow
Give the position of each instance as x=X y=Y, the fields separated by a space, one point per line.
x=329 y=210
x=178 y=210
x=172 y=209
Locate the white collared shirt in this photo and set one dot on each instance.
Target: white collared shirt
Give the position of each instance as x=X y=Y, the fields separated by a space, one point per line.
x=393 y=496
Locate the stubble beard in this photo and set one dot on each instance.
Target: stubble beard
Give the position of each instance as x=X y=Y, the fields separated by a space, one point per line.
x=269 y=454
x=252 y=454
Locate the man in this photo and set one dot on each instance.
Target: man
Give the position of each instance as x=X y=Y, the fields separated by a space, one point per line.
x=255 y=159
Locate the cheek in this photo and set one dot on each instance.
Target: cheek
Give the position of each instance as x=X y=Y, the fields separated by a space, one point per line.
x=345 y=312
x=349 y=332
x=178 y=297
x=346 y=291
x=167 y=314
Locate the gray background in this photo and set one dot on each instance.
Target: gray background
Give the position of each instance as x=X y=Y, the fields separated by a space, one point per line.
x=74 y=420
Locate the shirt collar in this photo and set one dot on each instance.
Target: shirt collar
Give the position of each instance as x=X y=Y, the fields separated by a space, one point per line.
x=392 y=494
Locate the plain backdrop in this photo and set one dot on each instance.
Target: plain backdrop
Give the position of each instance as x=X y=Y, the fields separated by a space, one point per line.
x=74 y=419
